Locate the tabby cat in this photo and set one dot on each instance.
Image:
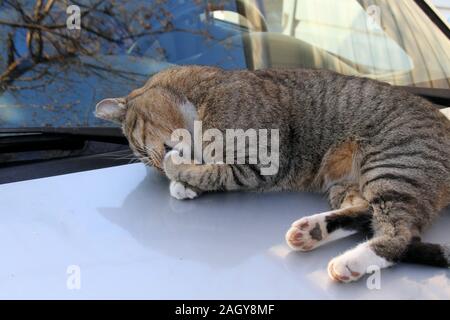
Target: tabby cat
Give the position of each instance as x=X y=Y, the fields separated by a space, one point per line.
x=380 y=153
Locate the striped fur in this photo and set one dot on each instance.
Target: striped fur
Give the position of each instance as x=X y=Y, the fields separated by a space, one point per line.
x=380 y=153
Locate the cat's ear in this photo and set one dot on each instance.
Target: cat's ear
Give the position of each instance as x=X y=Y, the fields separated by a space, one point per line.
x=112 y=109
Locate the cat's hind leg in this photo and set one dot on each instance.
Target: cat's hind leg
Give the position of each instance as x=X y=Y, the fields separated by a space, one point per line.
x=351 y=211
x=404 y=198
x=396 y=240
x=352 y=214
x=394 y=227
x=431 y=254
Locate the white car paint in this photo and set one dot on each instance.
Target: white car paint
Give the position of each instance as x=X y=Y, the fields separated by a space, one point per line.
x=128 y=238
x=446 y=111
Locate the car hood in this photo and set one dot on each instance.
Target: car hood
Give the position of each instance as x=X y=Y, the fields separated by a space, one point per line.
x=446 y=112
x=128 y=238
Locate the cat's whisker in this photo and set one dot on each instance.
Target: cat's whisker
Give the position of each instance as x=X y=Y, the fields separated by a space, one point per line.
x=134 y=160
x=120 y=157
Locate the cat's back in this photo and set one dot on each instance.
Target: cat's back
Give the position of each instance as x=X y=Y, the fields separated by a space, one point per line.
x=360 y=104
x=341 y=103
x=392 y=124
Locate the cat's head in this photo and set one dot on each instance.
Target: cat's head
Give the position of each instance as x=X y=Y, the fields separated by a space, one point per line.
x=148 y=117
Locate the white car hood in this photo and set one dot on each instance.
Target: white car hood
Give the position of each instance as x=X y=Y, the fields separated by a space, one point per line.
x=129 y=239
x=446 y=112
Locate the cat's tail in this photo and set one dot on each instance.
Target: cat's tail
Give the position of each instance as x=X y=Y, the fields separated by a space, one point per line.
x=431 y=254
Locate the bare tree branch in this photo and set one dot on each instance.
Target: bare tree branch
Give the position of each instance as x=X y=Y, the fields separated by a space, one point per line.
x=32 y=25
x=47 y=8
x=105 y=26
x=11 y=49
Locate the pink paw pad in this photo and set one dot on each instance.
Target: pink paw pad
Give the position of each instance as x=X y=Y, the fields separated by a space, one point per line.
x=304 y=234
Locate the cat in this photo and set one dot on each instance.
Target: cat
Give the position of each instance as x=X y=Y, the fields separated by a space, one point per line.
x=380 y=153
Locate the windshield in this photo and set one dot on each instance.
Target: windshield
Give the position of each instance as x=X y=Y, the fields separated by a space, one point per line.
x=57 y=61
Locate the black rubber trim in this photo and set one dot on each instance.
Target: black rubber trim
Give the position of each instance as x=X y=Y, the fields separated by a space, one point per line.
x=433 y=17
x=438 y=96
x=50 y=168
x=85 y=131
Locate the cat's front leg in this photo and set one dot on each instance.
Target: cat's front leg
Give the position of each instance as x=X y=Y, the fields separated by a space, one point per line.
x=188 y=179
x=179 y=190
x=212 y=177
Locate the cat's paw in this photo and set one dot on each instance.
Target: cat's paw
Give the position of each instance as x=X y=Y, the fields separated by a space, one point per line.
x=179 y=191
x=353 y=264
x=345 y=269
x=307 y=233
x=170 y=164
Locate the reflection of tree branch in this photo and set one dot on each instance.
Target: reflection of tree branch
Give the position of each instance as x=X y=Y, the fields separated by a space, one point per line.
x=10 y=47
x=117 y=72
x=105 y=27
x=44 y=75
x=18 y=7
x=99 y=34
x=15 y=70
x=37 y=9
x=47 y=8
x=89 y=9
x=32 y=25
x=25 y=64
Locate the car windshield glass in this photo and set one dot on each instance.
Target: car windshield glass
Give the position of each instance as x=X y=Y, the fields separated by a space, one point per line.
x=57 y=60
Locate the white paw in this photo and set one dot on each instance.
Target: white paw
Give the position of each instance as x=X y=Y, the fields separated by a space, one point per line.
x=171 y=159
x=181 y=192
x=173 y=152
x=355 y=263
x=307 y=233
